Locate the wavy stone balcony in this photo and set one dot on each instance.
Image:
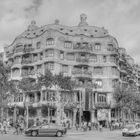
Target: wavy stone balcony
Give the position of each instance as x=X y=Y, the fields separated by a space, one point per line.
x=82 y=48
x=24 y=61
x=82 y=73
x=17 y=50
x=28 y=50
x=82 y=60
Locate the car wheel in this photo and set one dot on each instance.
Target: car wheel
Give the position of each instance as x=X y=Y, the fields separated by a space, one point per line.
x=135 y=134
x=59 y=134
x=34 y=133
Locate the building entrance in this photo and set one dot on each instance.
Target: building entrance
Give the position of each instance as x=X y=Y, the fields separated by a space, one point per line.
x=86 y=116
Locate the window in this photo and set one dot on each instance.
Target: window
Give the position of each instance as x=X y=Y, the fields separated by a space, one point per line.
x=101 y=98
x=93 y=58
x=97 y=46
x=114 y=71
x=70 y=56
x=49 y=53
x=49 y=66
x=85 y=44
x=18 y=98
x=68 y=44
x=104 y=58
x=99 y=83
x=113 y=59
x=34 y=57
x=38 y=45
x=49 y=41
x=65 y=68
x=98 y=70
x=61 y=55
x=114 y=83
x=39 y=68
x=110 y=47
x=41 y=56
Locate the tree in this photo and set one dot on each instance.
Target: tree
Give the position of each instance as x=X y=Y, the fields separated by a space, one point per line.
x=6 y=87
x=64 y=82
x=45 y=80
x=126 y=98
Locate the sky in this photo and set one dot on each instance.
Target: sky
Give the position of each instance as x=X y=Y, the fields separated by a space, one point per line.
x=120 y=17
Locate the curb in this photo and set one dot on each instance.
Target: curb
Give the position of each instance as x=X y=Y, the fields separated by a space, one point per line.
x=75 y=134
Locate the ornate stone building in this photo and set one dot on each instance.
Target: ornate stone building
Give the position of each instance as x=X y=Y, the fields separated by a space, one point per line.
x=88 y=54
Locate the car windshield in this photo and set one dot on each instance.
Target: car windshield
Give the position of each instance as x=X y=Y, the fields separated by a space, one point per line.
x=130 y=127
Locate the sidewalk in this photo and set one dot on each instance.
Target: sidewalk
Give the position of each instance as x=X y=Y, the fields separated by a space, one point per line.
x=80 y=132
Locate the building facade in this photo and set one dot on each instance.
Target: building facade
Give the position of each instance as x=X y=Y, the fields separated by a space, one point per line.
x=88 y=54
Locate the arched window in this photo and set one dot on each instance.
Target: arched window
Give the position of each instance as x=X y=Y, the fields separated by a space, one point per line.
x=99 y=83
x=68 y=44
x=97 y=46
x=110 y=47
x=38 y=45
x=49 y=41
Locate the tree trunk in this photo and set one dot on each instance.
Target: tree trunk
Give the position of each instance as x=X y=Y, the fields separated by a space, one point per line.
x=2 y=113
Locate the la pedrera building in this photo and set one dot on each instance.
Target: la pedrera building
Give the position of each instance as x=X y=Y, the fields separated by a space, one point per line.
x=88 y=54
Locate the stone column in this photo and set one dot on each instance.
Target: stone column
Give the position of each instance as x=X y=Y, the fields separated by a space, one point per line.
x=74 y=116
x=92 y=115
x=109 y=115
x=35 y=95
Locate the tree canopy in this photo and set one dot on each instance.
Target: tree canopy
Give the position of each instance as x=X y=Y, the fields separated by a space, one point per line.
x=127 y=98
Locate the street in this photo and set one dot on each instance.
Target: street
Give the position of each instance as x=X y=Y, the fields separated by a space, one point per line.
x=105 y=135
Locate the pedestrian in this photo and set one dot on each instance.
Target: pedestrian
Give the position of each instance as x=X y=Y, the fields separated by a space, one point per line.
x=89 y=126
x=21 y=127
x=16 y=128
x=100 y=127
x=5 y=127
x=1 y=128
x=76 y=126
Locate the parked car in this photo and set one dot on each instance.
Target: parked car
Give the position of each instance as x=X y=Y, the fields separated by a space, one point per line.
x=131 y=130
x=51 y=129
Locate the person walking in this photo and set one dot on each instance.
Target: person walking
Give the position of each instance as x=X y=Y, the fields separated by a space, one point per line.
x=100 y=127
x=5 y=127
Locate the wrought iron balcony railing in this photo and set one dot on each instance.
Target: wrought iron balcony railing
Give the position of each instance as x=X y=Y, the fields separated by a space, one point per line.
x=84 y=48
x=82 y=60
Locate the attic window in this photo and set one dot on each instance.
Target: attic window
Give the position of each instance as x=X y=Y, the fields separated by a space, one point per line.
x=61 y=29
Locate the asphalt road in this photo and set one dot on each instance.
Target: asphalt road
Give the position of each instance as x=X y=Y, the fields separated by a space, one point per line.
x=105 y=135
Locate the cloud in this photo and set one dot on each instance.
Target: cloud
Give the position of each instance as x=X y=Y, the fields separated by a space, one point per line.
x=120 y=17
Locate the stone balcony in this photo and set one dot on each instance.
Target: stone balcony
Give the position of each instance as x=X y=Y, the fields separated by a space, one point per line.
x=26 y=61
x=82 y=73
x=28 y=50
x=17 y=50
x=82 y=60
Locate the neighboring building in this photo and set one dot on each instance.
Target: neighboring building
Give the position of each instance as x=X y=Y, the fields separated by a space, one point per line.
x=86 y=53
